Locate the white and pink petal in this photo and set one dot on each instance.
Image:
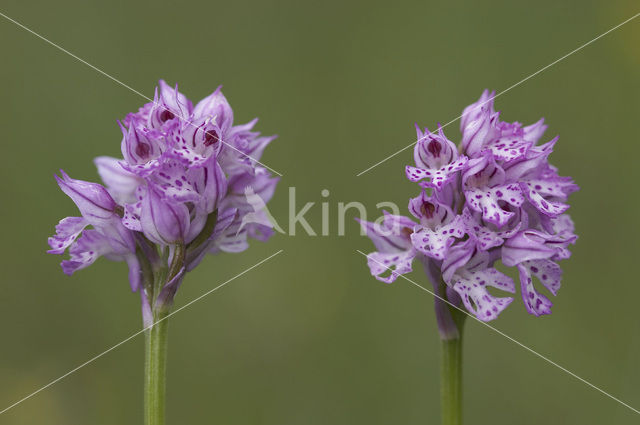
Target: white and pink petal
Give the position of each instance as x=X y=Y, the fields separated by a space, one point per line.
x=487 y=202
x=67 y=230
x=435 y=178
x=85 y=251
x=435 y=243
x=545 y=206
x=472 y=288
x=548 y=273
x=535 y=302
x=386 y=267
x=508 y=149
x=171 y=180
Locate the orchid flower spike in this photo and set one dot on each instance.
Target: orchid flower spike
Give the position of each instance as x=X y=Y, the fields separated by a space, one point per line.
x=494 y=197
x=172 y=197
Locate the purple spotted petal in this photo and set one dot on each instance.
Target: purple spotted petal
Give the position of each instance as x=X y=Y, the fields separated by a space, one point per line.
x=488 y=235
x=435 y=178
x=171 y=181
x=535 y=302
x=510 y=148
x=548 y=273
x=553 y=186
x=545 y=206
x=488 y=202
x=132 y=211
x=66 y=232
x=387 y=267
x=194 y=142
x=472 y=288
x=530 y=165
x=83 y=252
x=435 y=242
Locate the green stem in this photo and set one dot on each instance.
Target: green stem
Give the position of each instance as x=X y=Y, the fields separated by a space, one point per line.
x=155 y=370
x=451 y=381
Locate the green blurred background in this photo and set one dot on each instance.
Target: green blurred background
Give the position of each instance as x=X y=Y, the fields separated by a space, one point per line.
x=310 y=337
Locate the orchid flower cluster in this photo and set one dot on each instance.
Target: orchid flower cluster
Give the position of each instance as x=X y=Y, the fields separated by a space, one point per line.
x=493 y=197
x=178 y=194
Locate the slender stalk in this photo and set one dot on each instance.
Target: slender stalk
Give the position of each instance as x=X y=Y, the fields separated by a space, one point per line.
x=450 y=324
x=451 y=381
x=160 y=289
x=155 y=370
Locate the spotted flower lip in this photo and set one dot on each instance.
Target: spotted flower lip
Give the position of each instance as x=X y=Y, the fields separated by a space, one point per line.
x=494 y=198
x=485 y=189
x=108 y=237
x=392 y=240
x=177 y=193
x=438 y=229
x=436 y=160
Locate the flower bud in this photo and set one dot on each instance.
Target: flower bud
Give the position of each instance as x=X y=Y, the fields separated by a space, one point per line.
x=93 y=200
x=163 y=221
